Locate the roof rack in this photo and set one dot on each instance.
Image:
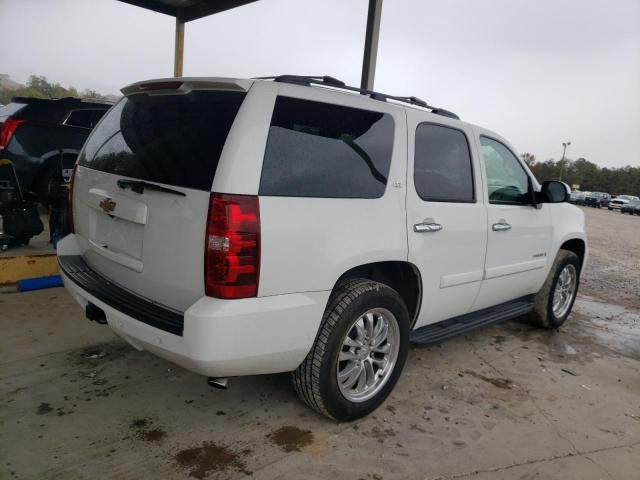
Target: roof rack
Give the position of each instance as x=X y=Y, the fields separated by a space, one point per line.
x=326 y=80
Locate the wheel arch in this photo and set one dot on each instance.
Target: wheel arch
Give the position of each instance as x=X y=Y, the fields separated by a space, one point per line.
x=50 y=157
x=577 y=246
x=404 y=277
x=47 y=161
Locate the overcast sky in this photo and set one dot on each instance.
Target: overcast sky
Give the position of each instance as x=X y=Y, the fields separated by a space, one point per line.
x=537 y=72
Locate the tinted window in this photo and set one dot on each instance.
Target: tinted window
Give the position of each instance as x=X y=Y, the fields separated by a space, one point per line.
x=442 y=166
x=87 y=118
x=506 y=178
x=323 y=150
x=172 y=139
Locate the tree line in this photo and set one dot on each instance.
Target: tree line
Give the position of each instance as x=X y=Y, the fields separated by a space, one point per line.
x=39 y=87
x=588 y=175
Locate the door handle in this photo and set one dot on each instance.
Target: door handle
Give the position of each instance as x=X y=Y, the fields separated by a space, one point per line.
x=501 y=226
x=427 y=226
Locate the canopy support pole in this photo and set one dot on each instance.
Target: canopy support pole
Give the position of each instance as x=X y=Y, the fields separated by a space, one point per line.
x=179 y=45
x=371 y=44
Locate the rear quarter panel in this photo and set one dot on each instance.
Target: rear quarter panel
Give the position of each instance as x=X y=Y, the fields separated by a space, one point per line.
x=308 y=243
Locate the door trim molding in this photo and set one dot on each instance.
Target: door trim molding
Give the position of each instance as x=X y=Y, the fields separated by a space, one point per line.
x=514 y=268
x=460 y=278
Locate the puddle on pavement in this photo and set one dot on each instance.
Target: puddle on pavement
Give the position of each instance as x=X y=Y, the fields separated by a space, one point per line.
x=93 y=355
x=143 y=431
x=612 y=327
x=291 y=439
x=44 y=408
x=594 y=329
x=211 y=457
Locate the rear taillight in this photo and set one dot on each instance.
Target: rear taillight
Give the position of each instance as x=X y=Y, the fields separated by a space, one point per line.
x=70 y=198
x=232 y=248
x=8 y=129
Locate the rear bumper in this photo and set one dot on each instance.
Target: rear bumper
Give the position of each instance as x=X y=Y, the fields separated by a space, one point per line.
x=219 y=337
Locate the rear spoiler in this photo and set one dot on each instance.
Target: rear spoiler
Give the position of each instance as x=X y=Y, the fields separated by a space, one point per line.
x=70 y=100
x=183 y=86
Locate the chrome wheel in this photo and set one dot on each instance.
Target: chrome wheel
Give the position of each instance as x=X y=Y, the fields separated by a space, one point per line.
x=368 y=355
x=564 y=291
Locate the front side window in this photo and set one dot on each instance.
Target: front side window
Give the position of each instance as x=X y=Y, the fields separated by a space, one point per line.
x=508 y=182
x=323 y=150
x=442 y=166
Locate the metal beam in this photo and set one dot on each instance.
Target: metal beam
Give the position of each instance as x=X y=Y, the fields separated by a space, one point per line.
x=371 y=44
x=191 y=10
x=179 y=45
x=153 y=5
x=208 y=7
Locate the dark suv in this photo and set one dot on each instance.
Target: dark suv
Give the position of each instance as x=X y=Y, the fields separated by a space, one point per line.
x=597 y=199
x=42 y=137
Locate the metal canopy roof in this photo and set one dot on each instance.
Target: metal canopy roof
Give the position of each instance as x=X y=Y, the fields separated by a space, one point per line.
x=188 y=10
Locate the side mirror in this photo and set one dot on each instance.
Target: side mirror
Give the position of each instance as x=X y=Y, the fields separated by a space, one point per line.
x=553 y=191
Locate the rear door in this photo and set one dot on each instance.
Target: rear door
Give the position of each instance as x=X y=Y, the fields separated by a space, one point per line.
x=446 y=216
x=149 y=237
x=519 y=235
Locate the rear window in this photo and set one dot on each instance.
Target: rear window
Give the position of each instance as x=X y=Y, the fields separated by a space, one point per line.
x=86 y=118
x=10 y=109
x=323 y=150
x=171 y=139
x=442 y=167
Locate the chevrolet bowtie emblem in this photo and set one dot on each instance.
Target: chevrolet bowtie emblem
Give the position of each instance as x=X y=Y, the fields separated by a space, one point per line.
x=107 y=205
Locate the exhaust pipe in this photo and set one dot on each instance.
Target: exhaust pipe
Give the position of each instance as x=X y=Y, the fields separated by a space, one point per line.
x=218 y=382
x=96 y=314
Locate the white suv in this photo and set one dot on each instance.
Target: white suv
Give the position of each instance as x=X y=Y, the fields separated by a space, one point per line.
x=242 y=227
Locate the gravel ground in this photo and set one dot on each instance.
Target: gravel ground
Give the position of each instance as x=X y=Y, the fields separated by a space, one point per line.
x=613 y=267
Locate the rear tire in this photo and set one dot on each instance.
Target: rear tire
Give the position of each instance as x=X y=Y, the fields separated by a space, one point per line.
x=49 y=179
x=350 y=348
x=554 y=301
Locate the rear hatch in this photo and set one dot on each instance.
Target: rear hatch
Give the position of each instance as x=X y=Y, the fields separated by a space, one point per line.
x=143 y=182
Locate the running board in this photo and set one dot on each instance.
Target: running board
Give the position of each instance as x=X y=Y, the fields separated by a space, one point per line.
x=441 y=331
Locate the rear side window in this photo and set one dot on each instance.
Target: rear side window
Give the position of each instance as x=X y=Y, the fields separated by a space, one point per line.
x=323 y=150
x=171 y=139
x=442 y=169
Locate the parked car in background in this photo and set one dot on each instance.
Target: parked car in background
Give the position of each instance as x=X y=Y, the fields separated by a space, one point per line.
x=42 y=137
x=351 y=224
x=577 y=197
x=632 y=207
x=620 y=200
x=597 y=199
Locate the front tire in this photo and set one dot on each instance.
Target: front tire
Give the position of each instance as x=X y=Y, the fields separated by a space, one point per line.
x=554 y=301
x=359 y=351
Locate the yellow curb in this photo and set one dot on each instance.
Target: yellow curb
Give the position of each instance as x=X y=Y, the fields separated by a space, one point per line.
x=13 y=269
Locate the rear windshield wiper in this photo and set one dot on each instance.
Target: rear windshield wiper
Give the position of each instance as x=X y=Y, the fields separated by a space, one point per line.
x=139 y=186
